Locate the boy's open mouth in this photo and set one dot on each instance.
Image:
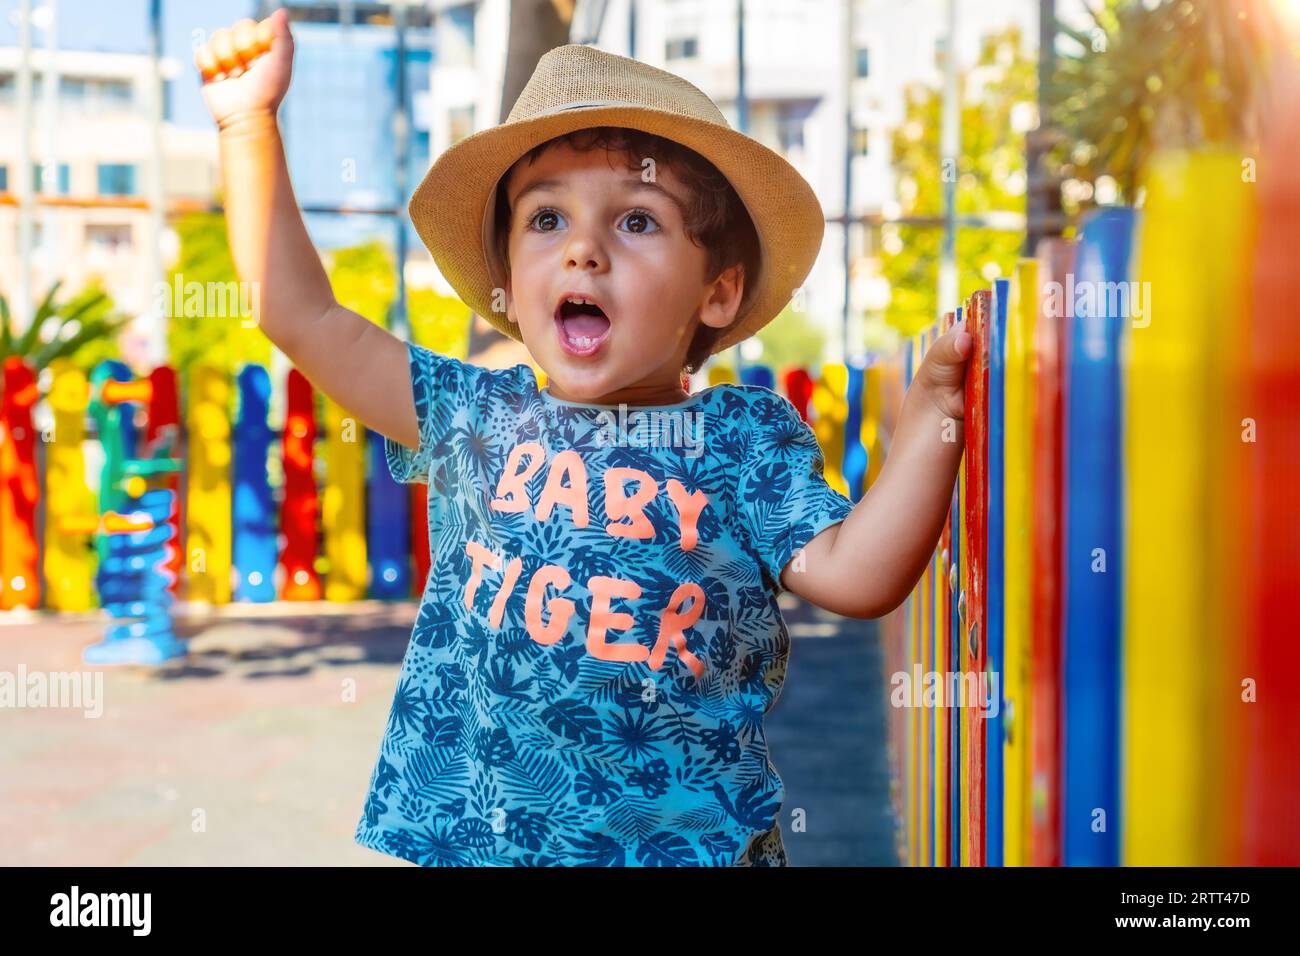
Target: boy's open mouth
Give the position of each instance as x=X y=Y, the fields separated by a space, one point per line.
x=582 y=324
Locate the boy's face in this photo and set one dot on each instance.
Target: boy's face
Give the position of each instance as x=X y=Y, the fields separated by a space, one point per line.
x=585 y=226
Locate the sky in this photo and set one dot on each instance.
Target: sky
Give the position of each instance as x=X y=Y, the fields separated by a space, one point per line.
x=122 y=26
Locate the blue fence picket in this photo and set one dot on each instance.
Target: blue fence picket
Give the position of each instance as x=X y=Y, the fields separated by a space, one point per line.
x=1092 y=542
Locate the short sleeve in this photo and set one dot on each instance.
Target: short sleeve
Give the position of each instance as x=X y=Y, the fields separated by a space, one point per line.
x=784 y=500
x=440 y=385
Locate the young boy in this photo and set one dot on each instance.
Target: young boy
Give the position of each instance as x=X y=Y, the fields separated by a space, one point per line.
x=599 y=638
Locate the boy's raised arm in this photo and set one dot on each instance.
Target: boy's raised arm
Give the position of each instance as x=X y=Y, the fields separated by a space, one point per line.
x=359 y=365
x=866 y=565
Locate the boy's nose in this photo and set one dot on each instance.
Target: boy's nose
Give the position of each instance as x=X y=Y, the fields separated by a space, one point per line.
x=585 y=253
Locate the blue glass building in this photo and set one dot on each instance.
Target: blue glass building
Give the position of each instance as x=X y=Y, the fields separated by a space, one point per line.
x=338 y=125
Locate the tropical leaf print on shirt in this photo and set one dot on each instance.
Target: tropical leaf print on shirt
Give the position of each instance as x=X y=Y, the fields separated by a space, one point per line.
x=587 y=679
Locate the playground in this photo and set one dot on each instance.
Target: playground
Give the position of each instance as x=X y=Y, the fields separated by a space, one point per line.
x=209 y=578
x=255 y=748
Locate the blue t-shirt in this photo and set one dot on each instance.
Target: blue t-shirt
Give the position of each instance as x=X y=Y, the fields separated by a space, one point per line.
x=599 y=637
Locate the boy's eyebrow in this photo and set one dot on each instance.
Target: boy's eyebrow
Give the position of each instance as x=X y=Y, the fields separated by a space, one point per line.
x=636 y=182
x=633 y=182
x=534 y=186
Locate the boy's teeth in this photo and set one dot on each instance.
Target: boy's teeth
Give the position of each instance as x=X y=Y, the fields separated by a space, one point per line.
x=584 y=330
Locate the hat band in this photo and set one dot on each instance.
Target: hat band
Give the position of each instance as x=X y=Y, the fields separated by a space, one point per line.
x=581 y=105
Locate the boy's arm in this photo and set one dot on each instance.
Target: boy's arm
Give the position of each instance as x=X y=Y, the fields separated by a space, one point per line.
x=360 y=366
x=356 y=363
x=866 y=565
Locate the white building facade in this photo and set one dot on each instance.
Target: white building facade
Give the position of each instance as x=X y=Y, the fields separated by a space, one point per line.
x=89 y=211
x=813 y=84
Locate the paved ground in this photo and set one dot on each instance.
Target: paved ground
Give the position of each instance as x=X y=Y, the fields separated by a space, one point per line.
x=254 y=750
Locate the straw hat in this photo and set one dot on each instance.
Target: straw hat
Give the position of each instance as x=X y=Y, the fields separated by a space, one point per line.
x=577 y=87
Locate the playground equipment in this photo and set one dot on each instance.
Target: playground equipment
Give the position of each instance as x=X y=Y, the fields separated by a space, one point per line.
x=339 y=533
x=136 y=540
x=254 y=544
x=1110 y=585
x=1112 y=484
x=1268 y=478
x=19 y=575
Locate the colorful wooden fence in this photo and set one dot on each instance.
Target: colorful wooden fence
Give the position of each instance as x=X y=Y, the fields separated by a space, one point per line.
x=1124 y=530
x=343 y=529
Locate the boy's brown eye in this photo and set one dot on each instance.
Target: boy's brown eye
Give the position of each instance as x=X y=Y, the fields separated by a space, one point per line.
x=546 y=221
x=639 y=222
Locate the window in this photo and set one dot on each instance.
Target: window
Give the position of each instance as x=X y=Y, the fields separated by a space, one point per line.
x=419 y=153
x=109 y=237
x=682 y=48
x=4 y=179
x=790 y=121
x=93 y=95
x=862 y=63
x=115 y=93
x=61 y=176
x=790 y=133
x=72 y=89
x=860 y=141
x=116 y=179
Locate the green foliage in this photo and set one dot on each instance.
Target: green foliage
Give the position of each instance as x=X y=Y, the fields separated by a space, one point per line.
x=791 y=339
x=364 y=279
x=1177 y=73
x=227 y=337
x=439 y=322
x=83 y=329
x=990 y=175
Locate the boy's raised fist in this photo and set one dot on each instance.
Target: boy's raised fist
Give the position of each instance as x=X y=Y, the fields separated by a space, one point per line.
x=246 y=68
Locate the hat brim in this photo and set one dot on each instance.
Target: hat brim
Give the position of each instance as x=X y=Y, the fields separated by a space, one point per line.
x=454 y=202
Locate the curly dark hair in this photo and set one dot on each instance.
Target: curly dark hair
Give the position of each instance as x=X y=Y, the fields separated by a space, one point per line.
x=716 y=219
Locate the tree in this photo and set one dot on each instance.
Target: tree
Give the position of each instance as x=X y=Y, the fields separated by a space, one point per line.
x=83 y=329
x=1151 y=74
x=224 y=335
x=364 y=278
x=996 y=99
x=789 y=339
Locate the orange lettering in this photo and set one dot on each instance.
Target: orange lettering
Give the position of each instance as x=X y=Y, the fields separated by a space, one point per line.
x=481 y=557
x=672 y=627
x=512 y=491
x=561 y=609
x=689 y=508
x=573 y=494
x=602 y=618
x=618 y=505
x=508 y=585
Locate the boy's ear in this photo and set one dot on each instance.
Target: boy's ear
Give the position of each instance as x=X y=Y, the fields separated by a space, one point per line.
x=722 y=297
x=510 y=303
